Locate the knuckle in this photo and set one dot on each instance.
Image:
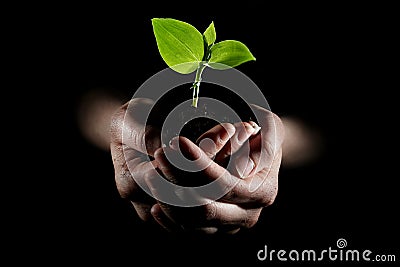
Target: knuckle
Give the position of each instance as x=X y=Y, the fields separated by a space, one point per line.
x=232 y=194
x=229 y=128
x=252 y=217
x=151 y=139
x=251 y=221
x=269 y=193
x=125 y=185
x=210 y=211
x=148 y=175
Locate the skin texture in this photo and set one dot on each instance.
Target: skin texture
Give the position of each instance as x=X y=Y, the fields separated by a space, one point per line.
x=254 y=157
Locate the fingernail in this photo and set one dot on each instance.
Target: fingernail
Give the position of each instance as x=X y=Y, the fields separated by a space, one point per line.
x=255 y=126
x=174 y=143
x=155 y=210
x=208 y=146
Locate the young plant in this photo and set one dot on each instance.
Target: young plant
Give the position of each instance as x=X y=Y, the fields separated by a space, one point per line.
x=186 y=50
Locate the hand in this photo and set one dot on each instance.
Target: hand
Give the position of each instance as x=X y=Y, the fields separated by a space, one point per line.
x=240 y=207
x=253 y=172
x=132 y=146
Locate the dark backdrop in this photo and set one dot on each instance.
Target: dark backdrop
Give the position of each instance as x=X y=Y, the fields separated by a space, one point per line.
x=332 y=67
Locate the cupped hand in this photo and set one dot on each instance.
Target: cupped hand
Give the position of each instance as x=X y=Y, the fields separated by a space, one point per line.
x=239 y=157
x=133 y=144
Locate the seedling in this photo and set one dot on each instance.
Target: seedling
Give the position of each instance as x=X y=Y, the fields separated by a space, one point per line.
x=186 y=50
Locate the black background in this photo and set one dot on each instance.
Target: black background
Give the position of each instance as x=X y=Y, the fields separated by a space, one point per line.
x=331 y=66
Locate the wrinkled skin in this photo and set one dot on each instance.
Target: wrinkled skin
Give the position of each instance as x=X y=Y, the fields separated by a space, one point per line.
x=254 y=172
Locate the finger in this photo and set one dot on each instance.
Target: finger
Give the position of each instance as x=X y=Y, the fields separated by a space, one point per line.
x=267 y=187
x=231 y=230
x=143 y=210
x=128 y=126
x=198 y=159
x=205 y=168
x=265 y=145
x=226 y=213
x=130 y=169
x=126 y=185
x=243 y=131
x=229 y=188
x=163 y=220
x=215 y=139
x=258 y=190
x=210 y=217
x=166 y=192
x=159 y=215
x=161 y=211
x=164 y=164
x=177 y=169
x=170 y=225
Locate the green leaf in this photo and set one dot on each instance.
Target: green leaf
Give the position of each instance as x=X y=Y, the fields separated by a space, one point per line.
x=229 y=53
x=178 y=43
x=210 y=35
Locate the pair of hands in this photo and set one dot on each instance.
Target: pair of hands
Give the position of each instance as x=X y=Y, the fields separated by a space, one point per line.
x=254 y=157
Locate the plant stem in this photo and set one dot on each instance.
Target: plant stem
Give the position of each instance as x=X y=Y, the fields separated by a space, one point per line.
x=196 y=84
